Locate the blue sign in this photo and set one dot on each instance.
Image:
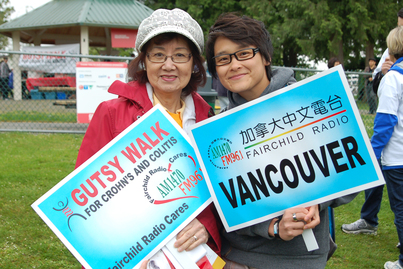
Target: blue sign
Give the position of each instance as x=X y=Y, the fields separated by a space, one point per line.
x=299 y=146
x=129 y=199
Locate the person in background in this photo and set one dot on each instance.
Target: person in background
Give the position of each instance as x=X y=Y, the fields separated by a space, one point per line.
x=170 y=44
x=368 y=223
x=4 y=76
x=371 y=96
x=387 y=140
x=385 y=63
x=239 y=52
x=333 y=62
x=11 y=82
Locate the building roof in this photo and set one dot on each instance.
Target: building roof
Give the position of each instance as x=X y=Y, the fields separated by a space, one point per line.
x=64 y=17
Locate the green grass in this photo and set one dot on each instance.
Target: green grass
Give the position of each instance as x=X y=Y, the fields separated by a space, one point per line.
x=33 y=116
x=364 y=251
x=30 y=164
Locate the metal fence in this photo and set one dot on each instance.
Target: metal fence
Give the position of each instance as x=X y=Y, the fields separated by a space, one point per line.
x=36 y=101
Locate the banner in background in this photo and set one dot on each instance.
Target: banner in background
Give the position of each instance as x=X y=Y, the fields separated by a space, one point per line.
x=93 y=80
x=128 y=200
x=298 y=146
x=123 y=38
x=50 y=64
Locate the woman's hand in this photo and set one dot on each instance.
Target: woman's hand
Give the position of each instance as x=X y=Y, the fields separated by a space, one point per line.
x=193 y=235
x=144 y=265
x=296 y=220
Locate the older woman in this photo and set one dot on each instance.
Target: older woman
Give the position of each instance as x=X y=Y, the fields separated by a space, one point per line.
x=167 y=71
x=239 y=52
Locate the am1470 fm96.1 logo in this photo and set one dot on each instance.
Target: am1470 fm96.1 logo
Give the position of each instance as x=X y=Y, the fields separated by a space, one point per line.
x=221 y=155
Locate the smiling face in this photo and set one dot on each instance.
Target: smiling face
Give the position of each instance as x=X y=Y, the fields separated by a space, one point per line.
x=169 y=78
x=247 y=78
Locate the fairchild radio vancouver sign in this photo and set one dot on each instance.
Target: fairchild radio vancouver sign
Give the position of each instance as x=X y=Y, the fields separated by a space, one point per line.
x=301 y=145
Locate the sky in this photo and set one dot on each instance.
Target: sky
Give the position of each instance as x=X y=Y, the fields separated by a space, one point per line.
x=23 y=6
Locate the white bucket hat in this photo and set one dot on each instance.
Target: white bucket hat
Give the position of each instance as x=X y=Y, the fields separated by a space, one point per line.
x=170 y=21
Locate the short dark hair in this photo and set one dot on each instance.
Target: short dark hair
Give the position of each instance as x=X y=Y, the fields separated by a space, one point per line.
x=241 y=30
x=332 y=61
x=198 y=78
x=400 y=13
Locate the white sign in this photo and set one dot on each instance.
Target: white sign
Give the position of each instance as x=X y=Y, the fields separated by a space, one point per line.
x=50 y=64
x=93 y=80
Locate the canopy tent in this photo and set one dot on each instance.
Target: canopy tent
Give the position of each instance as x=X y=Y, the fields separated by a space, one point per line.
x=64 y=21
x=87 y=22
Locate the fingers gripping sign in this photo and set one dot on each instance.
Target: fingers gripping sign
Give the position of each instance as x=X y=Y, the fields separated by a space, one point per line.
x=300 y=221
x=292 y=225
x=312 y=219
x=193 y=235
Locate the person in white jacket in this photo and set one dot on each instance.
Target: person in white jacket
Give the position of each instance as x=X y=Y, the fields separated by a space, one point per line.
x=387 y=140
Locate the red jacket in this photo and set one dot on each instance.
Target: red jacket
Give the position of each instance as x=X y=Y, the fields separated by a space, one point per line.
x=113 y=116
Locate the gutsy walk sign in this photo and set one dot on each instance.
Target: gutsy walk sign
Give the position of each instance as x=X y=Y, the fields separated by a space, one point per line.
x=129 y=199
x=299 y=146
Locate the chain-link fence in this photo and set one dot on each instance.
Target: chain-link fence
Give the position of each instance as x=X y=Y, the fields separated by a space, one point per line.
x=38 y=101
x=41 y=96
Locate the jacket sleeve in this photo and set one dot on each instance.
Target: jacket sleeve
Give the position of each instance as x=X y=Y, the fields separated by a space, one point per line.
x=338 y=201
x=260 y=229
x=98 y=134
x=210 y=219
x=384 y=124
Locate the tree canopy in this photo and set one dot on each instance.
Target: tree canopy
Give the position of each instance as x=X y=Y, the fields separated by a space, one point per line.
x=352 y=30
x=5 y=12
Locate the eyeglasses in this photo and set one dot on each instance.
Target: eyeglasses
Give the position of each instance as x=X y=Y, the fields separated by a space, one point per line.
x=176 y=58
x=240 y=55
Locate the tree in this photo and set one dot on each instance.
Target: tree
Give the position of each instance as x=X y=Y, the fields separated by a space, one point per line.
x=285 y=23
x=320 y=29
x=205 y=12
x=156 y=4
x=352 y=30
x=123 y=52
x=368 y=22
x=5 y=12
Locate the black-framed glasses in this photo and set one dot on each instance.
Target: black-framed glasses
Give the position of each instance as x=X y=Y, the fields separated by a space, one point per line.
x=240 y=55
x=176 y=58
